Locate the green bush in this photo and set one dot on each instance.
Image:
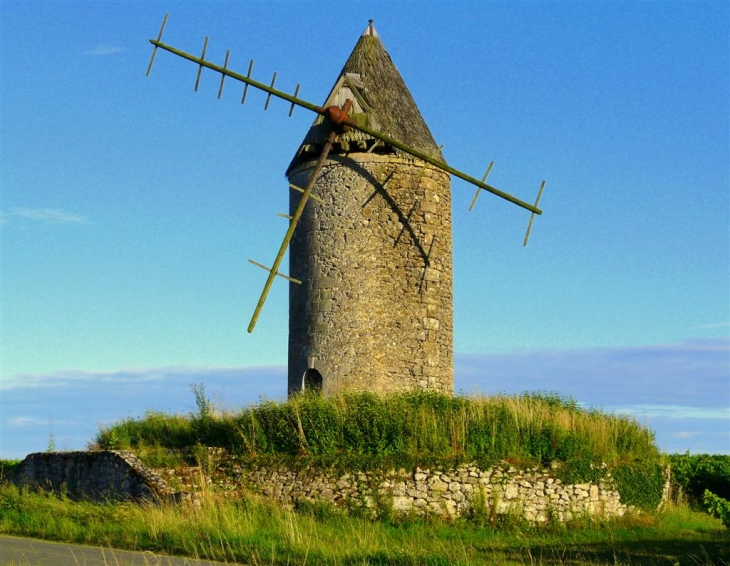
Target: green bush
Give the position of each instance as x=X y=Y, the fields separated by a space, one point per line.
x=170 y=431
x=699 y=472
x=718 y=507
x=640 y=484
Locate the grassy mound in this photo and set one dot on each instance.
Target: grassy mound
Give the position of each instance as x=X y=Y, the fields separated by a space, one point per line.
x=359 y=430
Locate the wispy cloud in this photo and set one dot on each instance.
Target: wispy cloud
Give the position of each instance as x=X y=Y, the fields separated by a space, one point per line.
x=675 y=388
x=712 y=325
x=102 y=50
x=42 y=216
x=685 y=434
x=691 y=373
x=27 y=421
x=674 y=412
x=680 y=390
x=75 y=404
x=31 y=421
x=172 y=376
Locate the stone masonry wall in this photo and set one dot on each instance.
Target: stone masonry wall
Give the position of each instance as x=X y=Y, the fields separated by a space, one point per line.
x=375 y=308
x=98 y=476
x=534 y=494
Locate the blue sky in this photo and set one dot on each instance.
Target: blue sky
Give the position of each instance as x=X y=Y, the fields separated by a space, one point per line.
x=130 y=204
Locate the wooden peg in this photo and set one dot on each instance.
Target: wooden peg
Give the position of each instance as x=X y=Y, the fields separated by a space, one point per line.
x=154 y=51
x=296 y=93
x=312 y=196
x=200 y=68
x=262 y=266
x=532 y=216
x=268 y=98
x=432 y=157
x=223 y=75
x=248 y=76
x=479 y=190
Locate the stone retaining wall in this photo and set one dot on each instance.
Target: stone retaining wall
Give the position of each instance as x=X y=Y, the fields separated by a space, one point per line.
x=98 y=476
x=534 y=494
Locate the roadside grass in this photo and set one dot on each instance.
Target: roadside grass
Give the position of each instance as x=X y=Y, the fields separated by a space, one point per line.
x=252 y=530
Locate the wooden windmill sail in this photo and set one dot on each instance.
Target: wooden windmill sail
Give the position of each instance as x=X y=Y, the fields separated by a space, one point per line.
x=370 y=233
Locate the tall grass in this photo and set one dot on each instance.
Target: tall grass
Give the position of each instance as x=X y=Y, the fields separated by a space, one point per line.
x=403 y=429
x=253 y=531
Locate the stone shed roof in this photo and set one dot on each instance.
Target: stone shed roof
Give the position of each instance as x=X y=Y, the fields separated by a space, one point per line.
x=381 y=101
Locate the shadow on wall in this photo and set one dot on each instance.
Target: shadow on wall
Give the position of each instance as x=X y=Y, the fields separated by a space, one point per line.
x=109 y=475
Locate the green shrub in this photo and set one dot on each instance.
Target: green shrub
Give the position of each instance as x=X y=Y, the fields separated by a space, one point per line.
x=699 y=472
x=170 y=431
x=640 y=484
x=718 y=507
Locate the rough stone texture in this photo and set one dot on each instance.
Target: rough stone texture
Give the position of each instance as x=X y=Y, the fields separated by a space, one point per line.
x=98 y=476
x=532 y=494
x=375 y=308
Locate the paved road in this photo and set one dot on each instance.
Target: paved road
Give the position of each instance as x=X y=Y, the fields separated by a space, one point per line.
x=33 y=552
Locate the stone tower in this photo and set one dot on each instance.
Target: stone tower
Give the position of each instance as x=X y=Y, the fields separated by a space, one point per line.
x=374 y=254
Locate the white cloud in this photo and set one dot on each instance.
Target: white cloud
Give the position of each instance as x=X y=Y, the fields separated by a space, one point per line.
x=691 y=373
x=685 y=434
x=43 y=216
x=27 y=421
x=102 y=50
x=673 y=412
x=74 y=404
x=712 y=325
x=136 y=376
x=674 y=387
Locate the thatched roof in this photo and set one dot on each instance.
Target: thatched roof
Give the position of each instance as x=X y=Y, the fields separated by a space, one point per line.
x=381 y=101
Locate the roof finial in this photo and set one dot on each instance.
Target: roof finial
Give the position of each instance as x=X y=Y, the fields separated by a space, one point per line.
x=369 y=31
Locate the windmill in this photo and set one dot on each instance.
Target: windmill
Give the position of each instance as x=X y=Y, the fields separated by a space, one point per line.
x=371 y=300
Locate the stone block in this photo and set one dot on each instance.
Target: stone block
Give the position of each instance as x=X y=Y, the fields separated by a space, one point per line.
x=510 y=491
x=402 y=504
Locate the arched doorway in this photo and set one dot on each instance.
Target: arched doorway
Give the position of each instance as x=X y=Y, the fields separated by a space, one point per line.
x=312 y=380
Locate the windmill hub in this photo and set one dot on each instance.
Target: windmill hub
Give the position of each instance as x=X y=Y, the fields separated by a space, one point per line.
x=338 y=117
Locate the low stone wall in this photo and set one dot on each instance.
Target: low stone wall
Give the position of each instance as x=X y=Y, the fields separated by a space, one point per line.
x=534 y=494
x=98 y=476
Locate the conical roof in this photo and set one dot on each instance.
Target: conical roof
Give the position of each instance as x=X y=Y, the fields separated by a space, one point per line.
x=380 y=100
